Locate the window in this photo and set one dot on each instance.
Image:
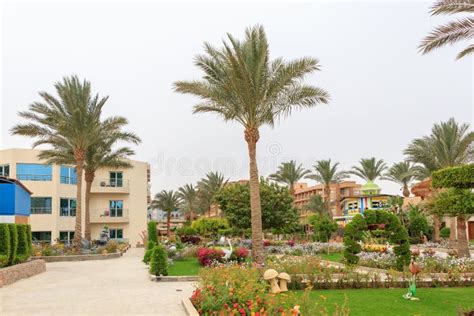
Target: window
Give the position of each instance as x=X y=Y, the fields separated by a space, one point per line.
x=33 y=172
x=378 y=204
x=40 y=205
x=352 y=205
x=5 y=170
x=66 y=236
x=116 y=179
x=41 y=236
x=116 y=233
x=116 y=208
x=67 y=207
x=68 y=175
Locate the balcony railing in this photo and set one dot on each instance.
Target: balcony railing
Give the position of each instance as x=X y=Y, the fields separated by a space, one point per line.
x=40 y=210
x=67 y=211
x=34 y=177
x=110 y=186
x=109 y=215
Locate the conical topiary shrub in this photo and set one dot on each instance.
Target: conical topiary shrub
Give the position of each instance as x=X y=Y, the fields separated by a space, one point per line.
x=13 y=243
x=5 y=244
x=149 y=251
x=23 y=251
x=159 y=261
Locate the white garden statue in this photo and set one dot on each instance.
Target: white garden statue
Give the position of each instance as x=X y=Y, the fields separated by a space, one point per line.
x=228 y=252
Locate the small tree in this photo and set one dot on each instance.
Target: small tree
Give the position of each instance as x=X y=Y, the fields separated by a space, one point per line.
x=159 y=261
x=5 y=244
x=209 y=226
x=147 y=257
x=23 y=251
x=152 y=235
x=323 y=227
x=13 y=243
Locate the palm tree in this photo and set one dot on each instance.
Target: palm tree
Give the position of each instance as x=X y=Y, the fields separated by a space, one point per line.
x=370 y=169
x=452 y=32
x=315 y=205
x=326 y=174
x=167 y=201
x=403 y=173
x=103 y=154
x=188 y=195
x=289 y=174
x=208 y=188
x=72 y=119
x=241 y=84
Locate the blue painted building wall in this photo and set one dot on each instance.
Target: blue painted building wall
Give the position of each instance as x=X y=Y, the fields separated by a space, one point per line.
x=14 y=200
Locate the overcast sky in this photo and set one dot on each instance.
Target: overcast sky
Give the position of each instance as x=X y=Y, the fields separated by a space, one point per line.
x=383 y=93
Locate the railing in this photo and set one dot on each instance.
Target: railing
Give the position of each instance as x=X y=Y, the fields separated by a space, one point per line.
x=111 y=183
x=67 y=211
x=40 y=210
x=68 y=180
x=109 y=215
x=34 y=177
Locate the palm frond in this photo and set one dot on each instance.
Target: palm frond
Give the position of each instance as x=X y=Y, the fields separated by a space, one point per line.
x=452 y=6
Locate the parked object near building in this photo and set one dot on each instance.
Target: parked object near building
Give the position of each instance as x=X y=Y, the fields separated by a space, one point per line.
x=15 y=201
x=118 y=197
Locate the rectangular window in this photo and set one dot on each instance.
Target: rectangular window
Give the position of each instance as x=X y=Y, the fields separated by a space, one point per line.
x=41 y=236
x=68 y=175
x=5 y=170
x=34 y=172
x=66 y=236
x=116 y=179
x=116 y=208
x=67 y=207
x=41 y=205
x=116 y=233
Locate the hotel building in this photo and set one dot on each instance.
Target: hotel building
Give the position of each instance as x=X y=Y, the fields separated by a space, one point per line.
x=118 y=198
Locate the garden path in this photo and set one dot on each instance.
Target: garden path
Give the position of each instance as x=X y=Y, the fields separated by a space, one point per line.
x=102 y=287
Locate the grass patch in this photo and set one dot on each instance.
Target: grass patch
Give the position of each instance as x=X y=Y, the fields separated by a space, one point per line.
x=433 y=301
x=189 y=266
x=335 y=256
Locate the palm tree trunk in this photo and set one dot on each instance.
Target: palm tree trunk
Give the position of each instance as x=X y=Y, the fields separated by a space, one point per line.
x=327 y=197
x=406 y=191
x=89 y=176
x=79 y=157
x=251 y=137
x=168 y=224
x=436 y=226
x=463 y=244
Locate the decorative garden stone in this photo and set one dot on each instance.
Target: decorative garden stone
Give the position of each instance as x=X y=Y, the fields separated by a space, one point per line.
x=271 y=276
x=284 y=279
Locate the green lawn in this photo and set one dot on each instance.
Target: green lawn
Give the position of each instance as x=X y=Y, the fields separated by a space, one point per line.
x=336 y=256
x=386 y=302
x=188 y=266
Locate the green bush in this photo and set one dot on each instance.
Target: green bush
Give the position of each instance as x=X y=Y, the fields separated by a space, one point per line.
x=454 y=177
x=148 y=252
x=23 y=250
x=323 y=227
x=13 y=243
x=29 y=239
x=152 y=235
x=352 y=235
x=445 y=232
x=5 y=244
x=209 y=226
x=159 y=261
x=186 y=231
x=111 y=246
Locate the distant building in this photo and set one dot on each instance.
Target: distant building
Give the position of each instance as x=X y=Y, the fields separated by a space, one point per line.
x=303 y=194
x=15 y=201
x=177 y=220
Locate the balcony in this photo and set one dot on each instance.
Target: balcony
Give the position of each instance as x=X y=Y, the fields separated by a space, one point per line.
x=110 y=186
x=103 y=216
x=40 y=210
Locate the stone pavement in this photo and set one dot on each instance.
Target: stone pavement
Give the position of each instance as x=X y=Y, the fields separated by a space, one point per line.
x=103 y=287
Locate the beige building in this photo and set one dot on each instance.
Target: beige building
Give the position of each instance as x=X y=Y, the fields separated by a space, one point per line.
x=118 y=197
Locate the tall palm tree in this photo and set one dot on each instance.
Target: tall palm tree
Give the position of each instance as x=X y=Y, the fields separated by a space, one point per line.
x=449 y=144
x=454 y=31
x=403 y=173
x=73 y=118
x=289 y=174
x=243 y=85
x=208 y=188
x=316 y=205
x=370 y=169
x=104 y=153
x=188 y=195
x=167 y=201
x=327 y=173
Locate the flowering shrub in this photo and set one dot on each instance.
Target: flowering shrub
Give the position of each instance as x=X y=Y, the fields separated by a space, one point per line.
x=239 y=254
x=311 y=248
x=206 y=256
x=374 y=248
x=380 y=260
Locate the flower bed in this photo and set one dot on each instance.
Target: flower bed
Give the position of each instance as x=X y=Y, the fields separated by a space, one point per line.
x=60 y=249
x=304 y=249
x=214 y=256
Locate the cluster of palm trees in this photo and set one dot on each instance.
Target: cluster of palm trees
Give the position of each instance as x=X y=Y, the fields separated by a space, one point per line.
x=190 y=198
x=71 y=124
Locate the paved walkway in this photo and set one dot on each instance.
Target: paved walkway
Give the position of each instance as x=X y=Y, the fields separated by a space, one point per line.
x=104 y=287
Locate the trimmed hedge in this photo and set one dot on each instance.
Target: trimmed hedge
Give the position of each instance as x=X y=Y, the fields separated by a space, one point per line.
x=15 y=244
x=4 y=244
x=152 y=235
x=454 y=177
x=159 y=261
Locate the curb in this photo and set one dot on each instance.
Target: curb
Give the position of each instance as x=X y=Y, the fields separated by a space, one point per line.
x=189 y=307
x=185 y=278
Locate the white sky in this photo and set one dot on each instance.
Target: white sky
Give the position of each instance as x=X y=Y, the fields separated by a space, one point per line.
x=384 y=93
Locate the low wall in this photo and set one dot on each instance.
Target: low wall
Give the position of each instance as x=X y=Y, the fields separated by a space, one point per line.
x=20 y=271
x=79 y=257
